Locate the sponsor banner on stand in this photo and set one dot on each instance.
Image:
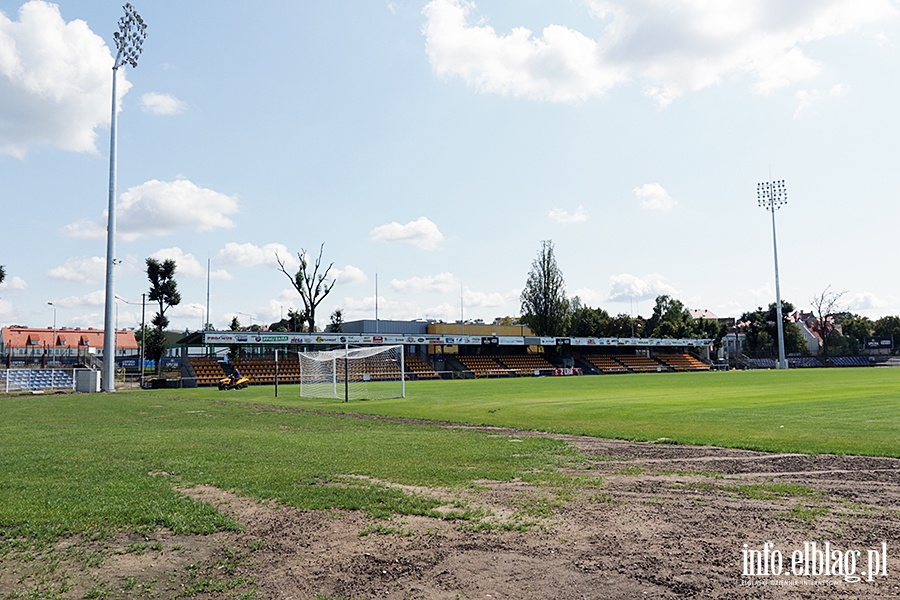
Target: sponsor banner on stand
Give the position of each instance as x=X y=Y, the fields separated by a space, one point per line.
x=282 y=338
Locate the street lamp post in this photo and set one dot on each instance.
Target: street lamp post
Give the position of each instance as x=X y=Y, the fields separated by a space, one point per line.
x=199 y=307
x=143 y=327
x=129 y=39
x=771 y=196
x=53 y=351
x=249 y=317
x=143 y=334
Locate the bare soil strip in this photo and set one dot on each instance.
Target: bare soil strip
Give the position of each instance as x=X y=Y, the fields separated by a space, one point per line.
x=666 y=521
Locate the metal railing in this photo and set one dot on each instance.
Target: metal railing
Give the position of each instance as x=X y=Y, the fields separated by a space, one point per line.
x=31 y=380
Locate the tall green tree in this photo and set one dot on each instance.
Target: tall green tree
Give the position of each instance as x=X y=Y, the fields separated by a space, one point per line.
x=2 y=273
x=312 y=286
x=847 y=335
x=856 y=328
x=626 y=326
x=714 y=330
x=545 y=307
x=670 y=319
x=337 y=321
x=760 y=331
x=163 y=291
x=234 y=350
x=587 y=321
x=888 y=326
x=295 y=320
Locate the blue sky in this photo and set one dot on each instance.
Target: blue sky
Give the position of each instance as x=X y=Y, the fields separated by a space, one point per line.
x=434 y=144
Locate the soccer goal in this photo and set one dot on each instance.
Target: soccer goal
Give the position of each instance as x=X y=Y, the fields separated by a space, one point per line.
x=368 y=373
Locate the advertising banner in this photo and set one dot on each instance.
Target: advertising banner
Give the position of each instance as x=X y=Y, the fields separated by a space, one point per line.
x=284 y=339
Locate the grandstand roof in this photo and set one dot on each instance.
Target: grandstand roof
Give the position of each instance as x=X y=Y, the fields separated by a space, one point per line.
x=27 y=337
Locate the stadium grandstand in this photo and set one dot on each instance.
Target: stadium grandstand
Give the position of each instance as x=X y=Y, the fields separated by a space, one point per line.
x=430 y=351
x=454 y=350
x=436 y=351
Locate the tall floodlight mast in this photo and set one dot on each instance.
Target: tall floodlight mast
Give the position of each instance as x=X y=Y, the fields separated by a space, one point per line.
x=129 y=39
x=771 y=196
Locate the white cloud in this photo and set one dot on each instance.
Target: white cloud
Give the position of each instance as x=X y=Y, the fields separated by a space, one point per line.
x=444 y=311
x=251 y=255
x=190 y=311
x=590 y=297
x=421 y=233
x=565 y=217
x=162 y=104
x=654 y=197
x=477 y=299
x=91 y=300
x=442 y=283
x=188 y=265
x=14 y=282
x=388 y=309
x=349 y=275
x=562 y=66
x=406 y=306
x=7 y=309
x=274 y=309
x=87 y=269
x=808 y=99
x=159 y=208
x=55 y=81
x=626 y=287
x=669 y=48
x=866 y=301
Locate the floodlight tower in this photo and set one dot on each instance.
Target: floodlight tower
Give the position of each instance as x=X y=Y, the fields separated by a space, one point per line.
x=771 y=196
x=129 y=39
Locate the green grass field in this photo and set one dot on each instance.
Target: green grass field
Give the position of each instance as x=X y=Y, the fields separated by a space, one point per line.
x=842 y=411
x=99 y=463
x=96 y=463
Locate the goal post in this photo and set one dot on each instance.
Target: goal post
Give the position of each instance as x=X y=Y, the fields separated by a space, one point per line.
x=368 y=373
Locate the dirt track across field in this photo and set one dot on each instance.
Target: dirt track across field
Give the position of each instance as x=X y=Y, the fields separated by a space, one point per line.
x=643 y=521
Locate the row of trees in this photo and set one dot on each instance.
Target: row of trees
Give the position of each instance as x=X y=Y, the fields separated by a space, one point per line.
x=842 y=333
x=548 y=311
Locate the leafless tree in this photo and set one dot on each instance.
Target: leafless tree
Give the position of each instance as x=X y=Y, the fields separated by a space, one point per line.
x=825 y=306
x=313 y=286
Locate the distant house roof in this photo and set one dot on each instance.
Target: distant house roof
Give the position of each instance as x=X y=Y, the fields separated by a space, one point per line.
x=702 y=313
x=27 y=337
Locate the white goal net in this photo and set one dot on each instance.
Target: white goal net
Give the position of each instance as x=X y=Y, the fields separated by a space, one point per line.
x=353 y=373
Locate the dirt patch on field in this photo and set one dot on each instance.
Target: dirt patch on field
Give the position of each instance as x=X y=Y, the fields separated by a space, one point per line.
x=640 y=520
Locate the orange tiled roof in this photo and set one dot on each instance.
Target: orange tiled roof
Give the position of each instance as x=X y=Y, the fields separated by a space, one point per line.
x=27 y=337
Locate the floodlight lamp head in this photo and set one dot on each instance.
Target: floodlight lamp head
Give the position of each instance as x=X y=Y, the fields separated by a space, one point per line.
x=771 y=195
x=130 y=37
